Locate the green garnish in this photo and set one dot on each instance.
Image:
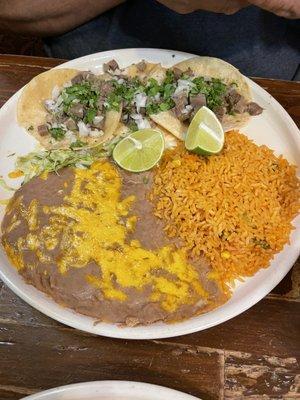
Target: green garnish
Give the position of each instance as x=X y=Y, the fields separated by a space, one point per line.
x=5 y=186
x=57 y=133
x=214 y=90
x=90 y=115
x=35 y=163
x=132 y=125
x=30 y=128
x=153 y=88
x=167 y=90
x=82 y=93
x=152 y=108
x=77 y=144
x=167 y=105
x=124 y=93
x=185 y=77
x=170 y=77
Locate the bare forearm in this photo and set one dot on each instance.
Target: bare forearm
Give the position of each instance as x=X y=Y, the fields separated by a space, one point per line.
x=46 y=18
x=283 y=8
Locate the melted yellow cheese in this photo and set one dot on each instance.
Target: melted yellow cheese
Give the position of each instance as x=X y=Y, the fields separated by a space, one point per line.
x=15 y=174
x=92 y=225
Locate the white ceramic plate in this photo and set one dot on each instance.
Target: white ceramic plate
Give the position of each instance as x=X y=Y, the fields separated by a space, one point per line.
x=273 y=128
x=111 y=390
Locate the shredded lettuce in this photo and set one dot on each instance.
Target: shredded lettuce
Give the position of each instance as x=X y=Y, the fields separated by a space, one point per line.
x=35 y=163
x=5 y=186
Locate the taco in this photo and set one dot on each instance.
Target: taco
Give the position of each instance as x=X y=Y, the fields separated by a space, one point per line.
x=65 y=108
x=205 y=81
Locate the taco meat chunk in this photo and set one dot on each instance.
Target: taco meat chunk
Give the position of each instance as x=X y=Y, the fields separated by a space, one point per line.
x=220 y=111
x=177 y=73
x=182 y=110
x=197 y=101
x=77 y=110
x=112 y=65
x=141 y=66
x=254 y=109
x=43 y=130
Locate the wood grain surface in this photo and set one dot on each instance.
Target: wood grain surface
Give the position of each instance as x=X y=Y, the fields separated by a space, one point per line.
x=253 y=356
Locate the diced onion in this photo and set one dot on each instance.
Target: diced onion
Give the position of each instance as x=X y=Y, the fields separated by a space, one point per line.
x=140 y=100
x=183 y=85
x=69 y=135
x=142 y=123
x=187 y=109
x=55 y=92
x=170 y=142
x=98 y=119
x=50 y=105
x=84 y=130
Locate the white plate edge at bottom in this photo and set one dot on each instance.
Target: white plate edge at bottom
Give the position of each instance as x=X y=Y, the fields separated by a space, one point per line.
x=113 y=387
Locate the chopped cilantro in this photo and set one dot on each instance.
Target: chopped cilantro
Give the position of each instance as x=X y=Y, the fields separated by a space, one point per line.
x=185 y=77
x=77 y=144
x=152 y=108
x=168 y=90
x=170 y=78
x=57 y=133
x=200 y=86
x=124 y=93
x=166 y=105
x=153 y=87
x=81 y=93
x=90 y=115
x=214 y=91
x=132 y=126
x=30 y=128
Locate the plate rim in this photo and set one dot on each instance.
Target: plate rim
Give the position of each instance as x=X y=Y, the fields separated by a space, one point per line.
x=102 y=384
x=134 y=333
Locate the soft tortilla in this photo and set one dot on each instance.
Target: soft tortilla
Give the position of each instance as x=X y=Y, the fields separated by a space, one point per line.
x=32 y=113
x=132 y=71
x=168 y=121
x=207 y=67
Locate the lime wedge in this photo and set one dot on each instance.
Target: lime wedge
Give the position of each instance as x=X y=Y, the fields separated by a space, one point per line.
x=205 y=134
x=140 y=150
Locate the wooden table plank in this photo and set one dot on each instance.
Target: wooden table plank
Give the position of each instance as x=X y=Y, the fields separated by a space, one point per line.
x=255 y=355
x=87 y=358
x=258 y=326
x=260 y=377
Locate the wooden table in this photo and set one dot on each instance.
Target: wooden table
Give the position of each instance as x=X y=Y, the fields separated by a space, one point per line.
x=251 y=356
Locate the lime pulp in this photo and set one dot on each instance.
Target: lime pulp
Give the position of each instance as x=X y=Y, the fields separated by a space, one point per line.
x=205 y=135
x=140 y=150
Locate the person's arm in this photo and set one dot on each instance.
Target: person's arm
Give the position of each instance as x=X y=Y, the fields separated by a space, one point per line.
x=217 y=6
x=49 y=17
x=283 y=8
